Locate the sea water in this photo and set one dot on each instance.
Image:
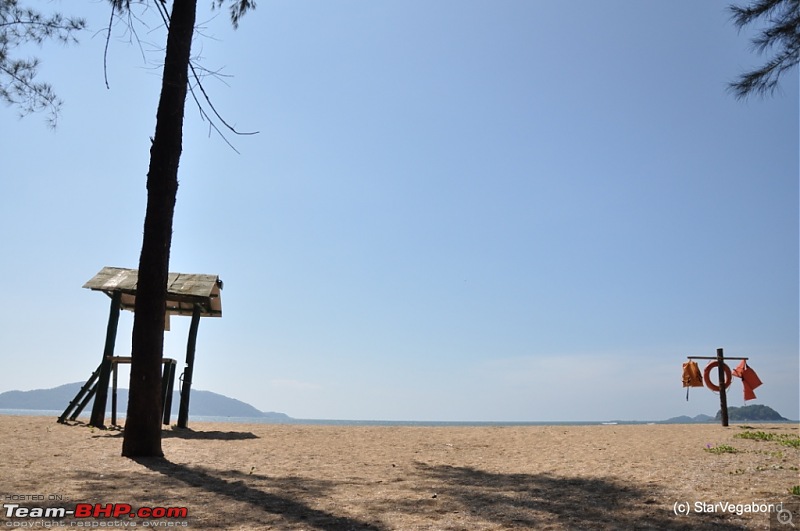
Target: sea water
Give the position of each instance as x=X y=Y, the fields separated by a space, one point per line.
x=84 y=416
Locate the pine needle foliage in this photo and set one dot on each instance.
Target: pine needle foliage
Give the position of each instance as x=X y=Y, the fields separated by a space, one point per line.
x=20 y=25
x=779 y=38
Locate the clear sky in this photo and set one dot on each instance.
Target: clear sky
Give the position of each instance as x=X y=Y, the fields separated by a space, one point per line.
x=454 y=210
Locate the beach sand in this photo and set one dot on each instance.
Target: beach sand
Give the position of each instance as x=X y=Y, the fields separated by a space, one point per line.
x=262 y=476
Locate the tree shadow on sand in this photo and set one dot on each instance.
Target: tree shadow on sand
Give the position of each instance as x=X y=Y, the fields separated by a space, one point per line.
x=543 y=501
x=176 y=433
x=281 y=509
x=188 y=433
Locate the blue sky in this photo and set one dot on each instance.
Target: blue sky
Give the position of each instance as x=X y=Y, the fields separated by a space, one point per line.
x=454 y=210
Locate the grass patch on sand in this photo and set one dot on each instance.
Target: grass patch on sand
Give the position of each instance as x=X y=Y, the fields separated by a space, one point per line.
x=786 y=439
x=721 y=449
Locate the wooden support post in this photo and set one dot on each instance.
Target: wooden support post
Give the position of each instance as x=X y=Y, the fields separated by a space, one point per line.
x=167 y=386
x=115 y=369
x=85 y=401
x=723 y=399
x=101 y=396
x=183 y=413
x=84 y=389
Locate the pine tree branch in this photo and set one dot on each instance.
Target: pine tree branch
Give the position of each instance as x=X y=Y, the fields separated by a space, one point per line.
x=782 y=32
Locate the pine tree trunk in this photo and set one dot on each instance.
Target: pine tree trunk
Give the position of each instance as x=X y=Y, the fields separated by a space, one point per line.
x=143 y=423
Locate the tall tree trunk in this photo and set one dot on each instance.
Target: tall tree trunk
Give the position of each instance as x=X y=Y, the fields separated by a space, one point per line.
x=143 y=423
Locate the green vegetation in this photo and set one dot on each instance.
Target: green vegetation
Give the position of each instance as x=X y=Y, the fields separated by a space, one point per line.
x=786 y=439
x=721 y=449
x=795 y=490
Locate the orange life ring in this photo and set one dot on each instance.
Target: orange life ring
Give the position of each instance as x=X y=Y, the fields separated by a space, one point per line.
x=707 y=375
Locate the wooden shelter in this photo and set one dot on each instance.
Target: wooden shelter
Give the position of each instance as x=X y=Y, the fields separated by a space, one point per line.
x=187 y=294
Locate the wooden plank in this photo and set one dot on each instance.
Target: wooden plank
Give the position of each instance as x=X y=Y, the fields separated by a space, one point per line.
x=113 y=279
x=192 y=284
x=712 y=358
x=127 y=359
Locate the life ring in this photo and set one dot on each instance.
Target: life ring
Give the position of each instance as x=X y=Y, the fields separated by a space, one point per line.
x=707 y=376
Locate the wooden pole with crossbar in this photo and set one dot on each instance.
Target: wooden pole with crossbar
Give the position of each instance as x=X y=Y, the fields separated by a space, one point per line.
x=723 y=398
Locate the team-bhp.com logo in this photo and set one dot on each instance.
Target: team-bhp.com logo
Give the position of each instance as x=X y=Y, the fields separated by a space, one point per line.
x=96 y=511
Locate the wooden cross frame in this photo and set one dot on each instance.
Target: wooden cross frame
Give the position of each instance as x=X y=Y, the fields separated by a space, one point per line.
x=723 y=398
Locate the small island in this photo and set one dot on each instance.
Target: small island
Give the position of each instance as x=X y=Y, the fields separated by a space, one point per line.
x=754 y=412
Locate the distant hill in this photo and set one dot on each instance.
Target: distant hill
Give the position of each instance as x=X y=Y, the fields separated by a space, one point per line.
x=684 y=419
x=744 y=413
x=754 y=412
x=203 y=403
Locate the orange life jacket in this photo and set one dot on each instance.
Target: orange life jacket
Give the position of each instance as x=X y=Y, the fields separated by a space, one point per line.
x=691 y=375
x=750 y=379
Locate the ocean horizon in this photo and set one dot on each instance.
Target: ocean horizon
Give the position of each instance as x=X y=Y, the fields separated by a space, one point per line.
x=345 y=422
x=338 y=422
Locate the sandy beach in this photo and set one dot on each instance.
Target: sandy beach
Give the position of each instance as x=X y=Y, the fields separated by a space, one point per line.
x=261 y=476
